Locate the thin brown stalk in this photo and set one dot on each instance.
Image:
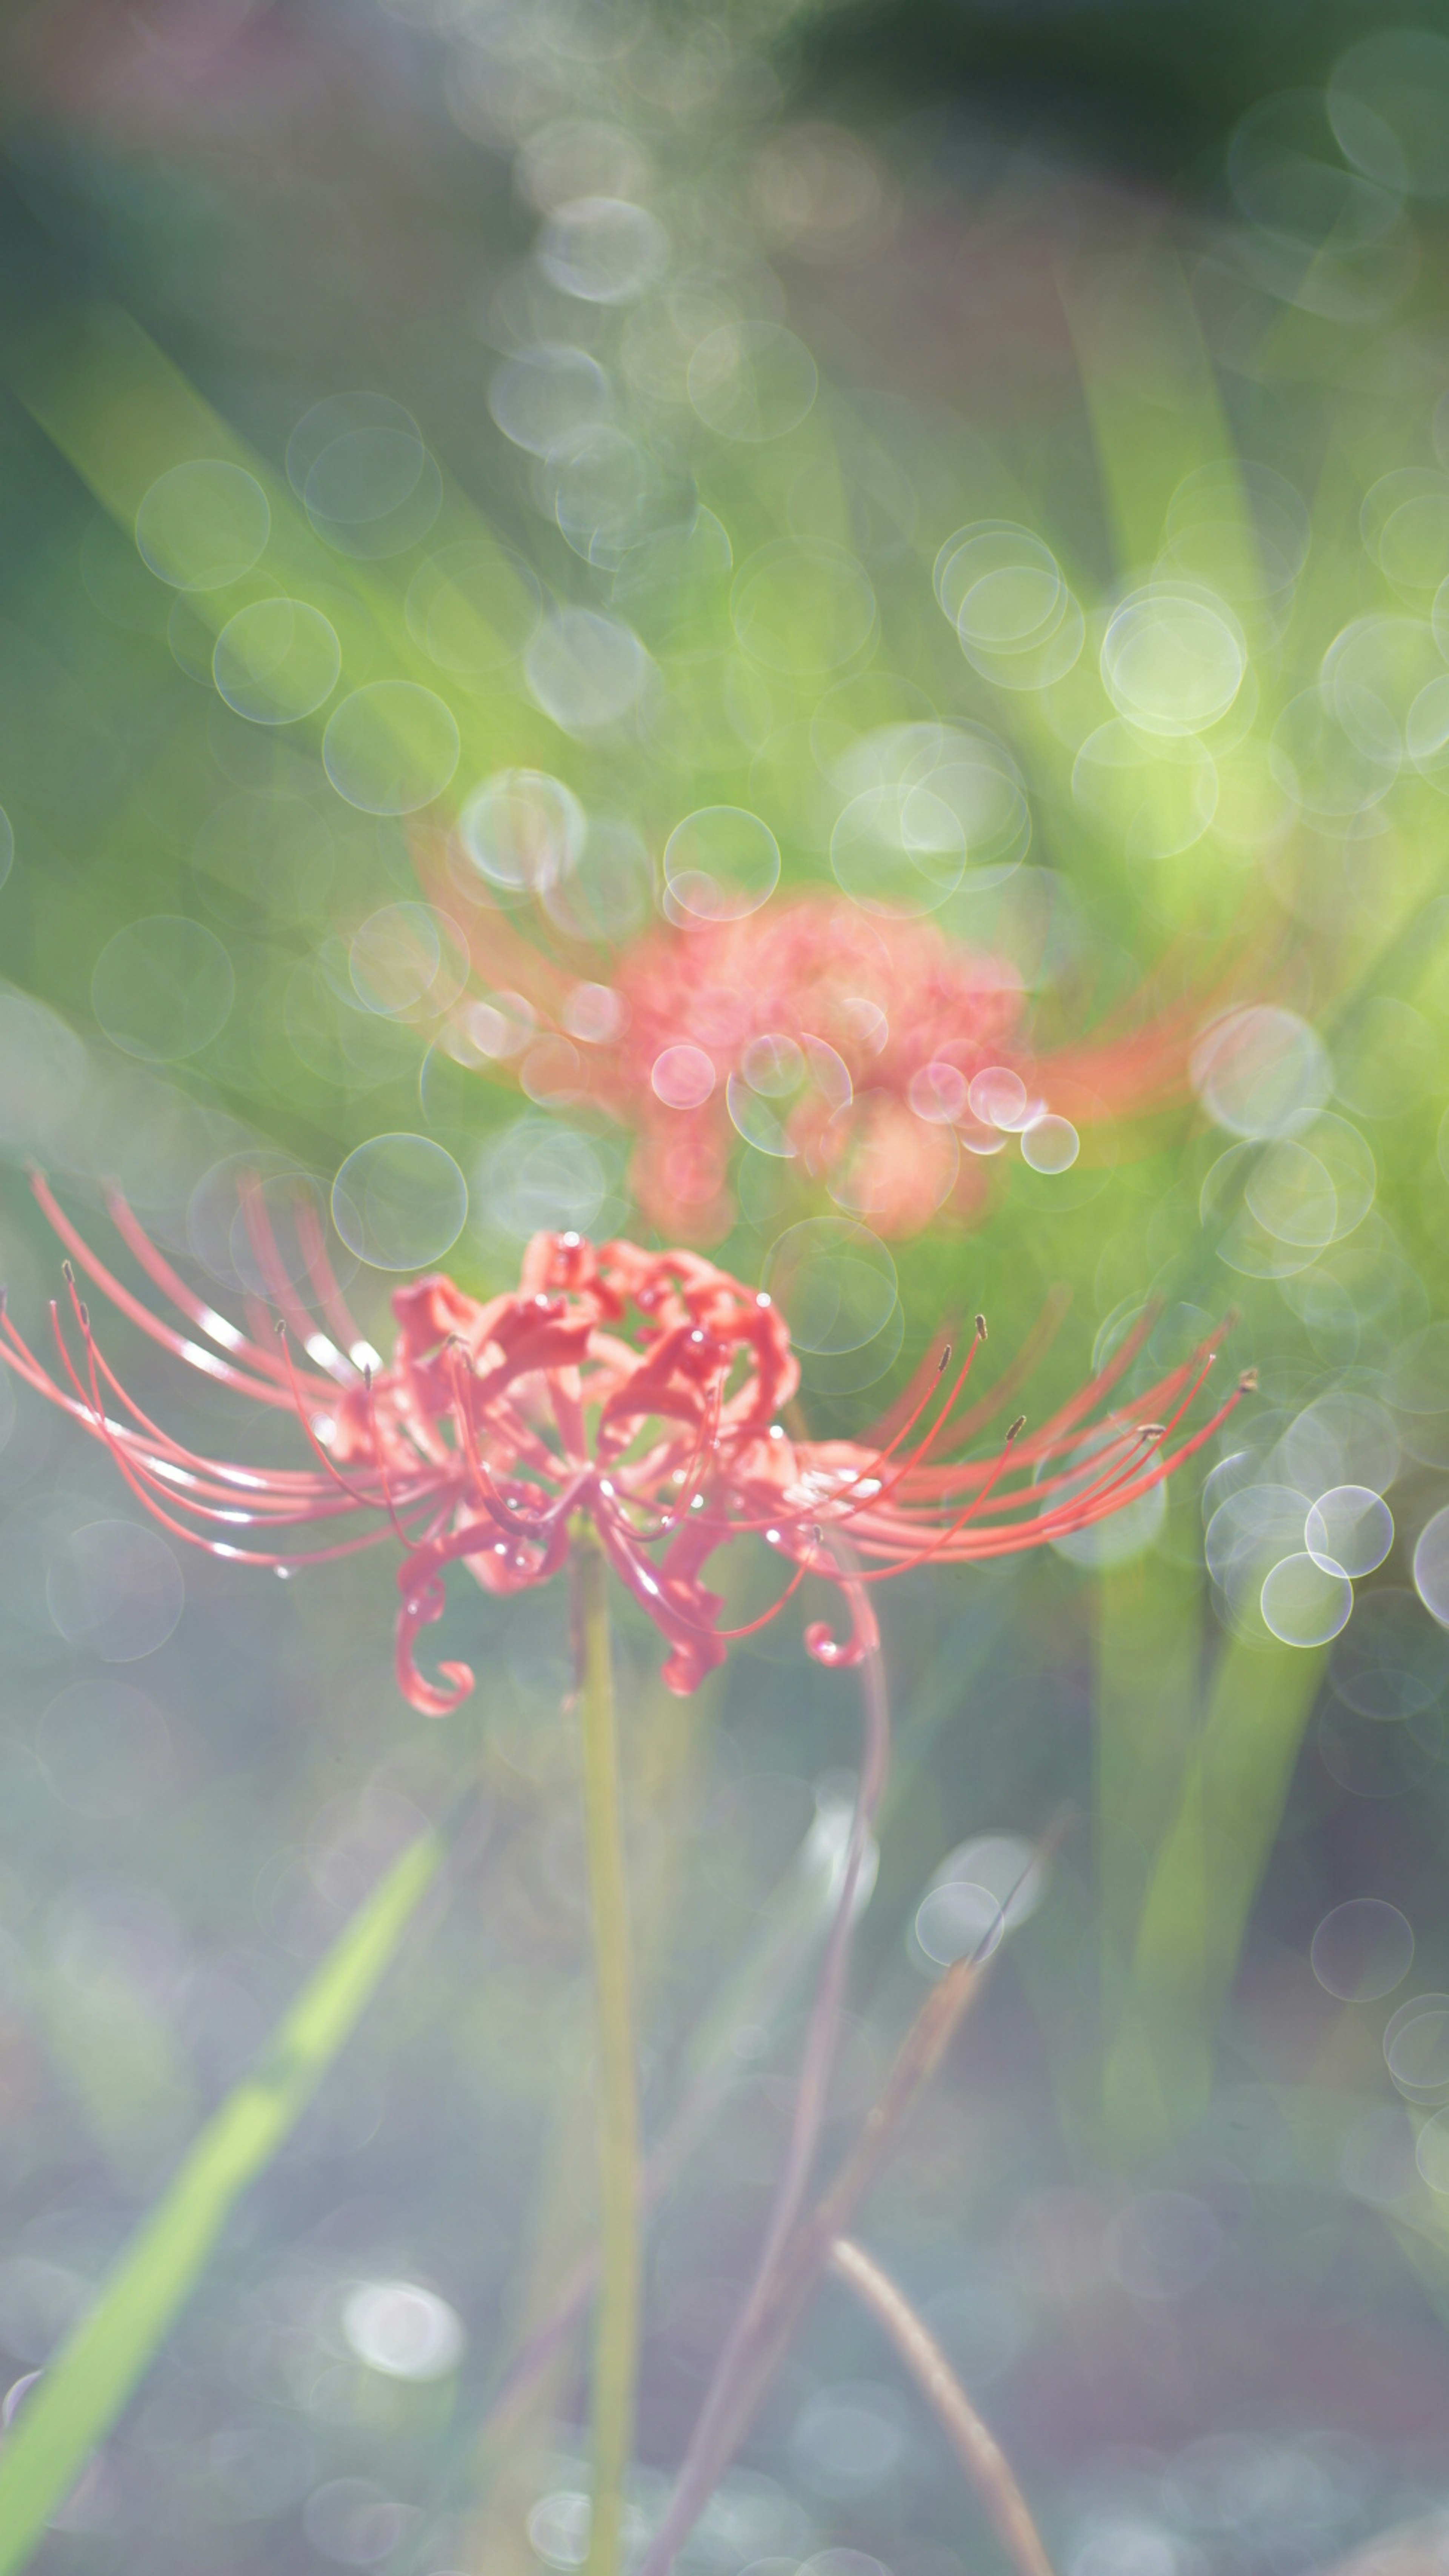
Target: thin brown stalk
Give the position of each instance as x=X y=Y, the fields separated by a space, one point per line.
x=988 y=2471
x=700 y=2469
x=719 y=2072
x=783 y=2300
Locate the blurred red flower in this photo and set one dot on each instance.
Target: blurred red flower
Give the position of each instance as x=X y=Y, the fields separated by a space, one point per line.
x=884 y=1059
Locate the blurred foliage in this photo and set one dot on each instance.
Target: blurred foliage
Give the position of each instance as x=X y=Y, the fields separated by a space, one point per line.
x=1178 y=2222
x=1144 y=90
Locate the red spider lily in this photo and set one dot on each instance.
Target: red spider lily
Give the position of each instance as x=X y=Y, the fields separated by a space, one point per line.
x=846 y=1040
x=884 y=1058
x=641 y=1389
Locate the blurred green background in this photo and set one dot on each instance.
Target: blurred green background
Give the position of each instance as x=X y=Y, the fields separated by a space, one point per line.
x=663 y=504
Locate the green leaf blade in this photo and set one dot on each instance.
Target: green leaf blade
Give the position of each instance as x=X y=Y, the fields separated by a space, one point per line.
x=85 y=2389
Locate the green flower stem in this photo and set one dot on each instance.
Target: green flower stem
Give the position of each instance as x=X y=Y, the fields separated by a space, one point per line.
x=616 y=2314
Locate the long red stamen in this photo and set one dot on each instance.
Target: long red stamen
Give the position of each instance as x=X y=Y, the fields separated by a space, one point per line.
x=513 y=1519
x=925 y=1377
x=367 y=1502
x=178 y=1529
x=289 y=1493
x=1060 y=1433
x=1010 y=1541
x=1040 y=1534
x=80 y=1407
x=908 y=1565
x=397 y=1528
x=323 y=1281
x=873 y=1502
x=132 y=1308
x=280 y=1287
x=205 y=1317
x=752 y=1627
x=1040 y=1338
x=1132 y=1437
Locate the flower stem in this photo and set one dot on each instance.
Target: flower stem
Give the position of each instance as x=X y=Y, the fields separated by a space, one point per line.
x=985 y=2463
x=731 y=2396
x=794 y=2277
x=616 y=2313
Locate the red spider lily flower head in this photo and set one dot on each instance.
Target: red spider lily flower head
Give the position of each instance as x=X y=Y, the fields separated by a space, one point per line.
x=870 y=1050
x=820 y=1032
x=640 y=1389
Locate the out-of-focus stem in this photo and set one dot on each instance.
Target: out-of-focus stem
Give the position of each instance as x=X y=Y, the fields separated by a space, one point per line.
x=789 y=1940
x=717 y=2068
x=674 y=2148
x=985 y=2464
x=796 y=2276
x=785 y=2296
x=616 y=2316
x=822 y=2033
x=713 y=2440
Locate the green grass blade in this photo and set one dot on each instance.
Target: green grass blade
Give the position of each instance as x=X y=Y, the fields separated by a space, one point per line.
x=1204 y=1879
x=88 y=2384
x=121 y=413
x=1154 y=404
x=1148 y=1640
